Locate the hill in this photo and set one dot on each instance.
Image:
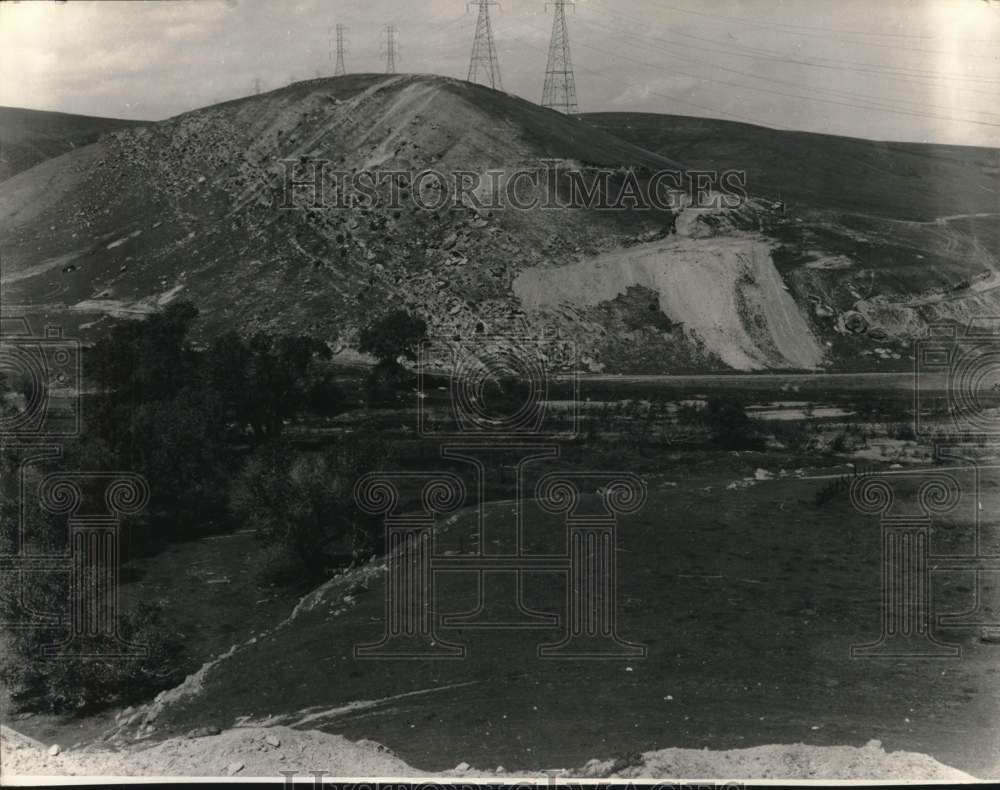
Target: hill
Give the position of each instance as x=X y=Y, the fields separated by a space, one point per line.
x=28 y=137
x=192 y=208
x=908 y=181
x=876 y=239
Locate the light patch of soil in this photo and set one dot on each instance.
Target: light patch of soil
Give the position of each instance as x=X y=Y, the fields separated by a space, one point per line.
x=795 y=761
x=267 y=751
x=249 y=751
x=701 y=284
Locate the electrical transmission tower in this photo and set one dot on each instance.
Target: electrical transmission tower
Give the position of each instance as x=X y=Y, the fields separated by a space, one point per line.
x=484 y=50
x=339 y=70
x=391 y=48
x=560 y=84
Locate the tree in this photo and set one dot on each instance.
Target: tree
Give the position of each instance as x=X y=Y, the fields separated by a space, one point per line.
x=394 y=335
x=158 y=416
x=180 y=447
x=727 y=421
x=143 y=361
x=269 y=379
x=726 y=417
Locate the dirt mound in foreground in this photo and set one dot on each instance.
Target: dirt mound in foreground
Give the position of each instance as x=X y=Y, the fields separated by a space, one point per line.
x=784 y=761
x=267 y=751
x=248 y=751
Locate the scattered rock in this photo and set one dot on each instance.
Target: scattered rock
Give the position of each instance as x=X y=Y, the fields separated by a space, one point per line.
x=273 y=740
x=463 y=767
x=233 y=768
x=203 y=732
x=54 y=750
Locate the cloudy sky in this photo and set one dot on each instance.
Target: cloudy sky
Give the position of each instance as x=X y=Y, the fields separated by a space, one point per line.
x=922 y=70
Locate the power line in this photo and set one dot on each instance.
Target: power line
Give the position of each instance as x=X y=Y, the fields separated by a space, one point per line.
x=713 y=110
x=836 y=31
x=391 y=48
x=902 y=74
x=814 y=32
x=559 y=92
x=339 y=69
x=870 y=102
x=484 y=51
x=743 y=86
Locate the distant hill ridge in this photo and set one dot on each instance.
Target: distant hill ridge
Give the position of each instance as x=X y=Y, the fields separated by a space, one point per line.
x=28 y=137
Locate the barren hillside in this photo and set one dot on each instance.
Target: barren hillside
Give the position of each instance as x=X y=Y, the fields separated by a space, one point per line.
x=191 y=208
x=28 y=137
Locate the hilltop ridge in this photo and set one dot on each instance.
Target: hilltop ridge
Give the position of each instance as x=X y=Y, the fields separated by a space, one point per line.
x=191 y=207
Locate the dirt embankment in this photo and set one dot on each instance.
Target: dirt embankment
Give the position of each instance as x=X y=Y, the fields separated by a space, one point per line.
x=269 y=751
x=725 y=291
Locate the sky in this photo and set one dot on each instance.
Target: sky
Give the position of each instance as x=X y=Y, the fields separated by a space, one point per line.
x=915 y=70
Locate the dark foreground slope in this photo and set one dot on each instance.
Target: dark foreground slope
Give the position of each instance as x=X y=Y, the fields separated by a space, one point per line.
x=748 y=599
x=28 y=137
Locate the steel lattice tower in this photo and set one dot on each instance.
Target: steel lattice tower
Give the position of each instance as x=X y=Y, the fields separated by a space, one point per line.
x=391 y=49
x=560 y=84
x=484 y=50
x=339 y=70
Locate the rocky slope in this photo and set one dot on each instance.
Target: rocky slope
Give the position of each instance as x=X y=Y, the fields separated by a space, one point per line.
x=876 y=239
x=191 y=208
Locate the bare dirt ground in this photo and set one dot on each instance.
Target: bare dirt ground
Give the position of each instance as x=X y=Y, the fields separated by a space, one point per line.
x=725 y=291
x=269 y=751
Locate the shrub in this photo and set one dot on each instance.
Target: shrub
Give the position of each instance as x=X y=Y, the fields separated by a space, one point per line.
x=87 y=683
x=67 y=683
x=302 y=505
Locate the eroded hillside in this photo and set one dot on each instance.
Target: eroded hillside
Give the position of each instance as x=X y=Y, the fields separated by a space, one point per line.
x=192 y=208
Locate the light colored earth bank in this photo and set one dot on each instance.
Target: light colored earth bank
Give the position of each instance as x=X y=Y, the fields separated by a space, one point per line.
x=269 y=751
x=724 y=290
